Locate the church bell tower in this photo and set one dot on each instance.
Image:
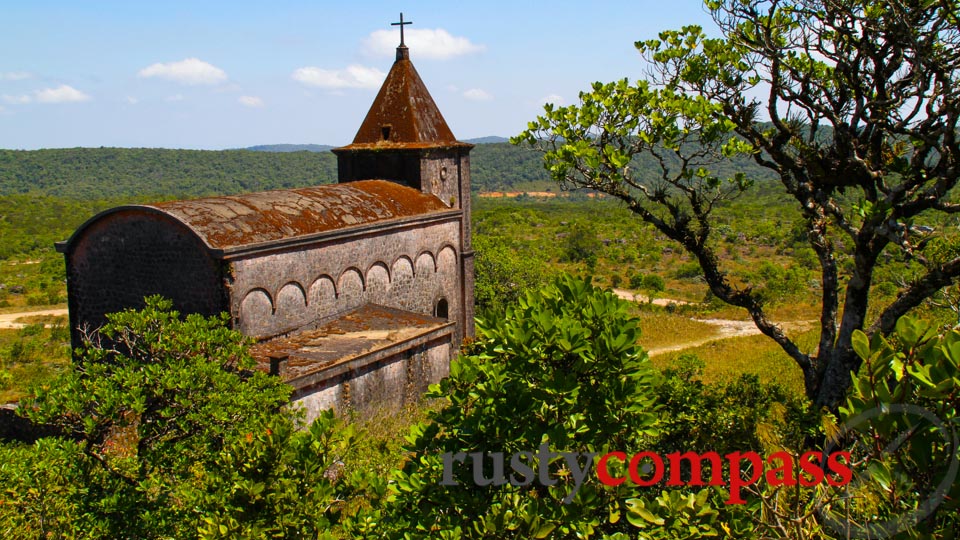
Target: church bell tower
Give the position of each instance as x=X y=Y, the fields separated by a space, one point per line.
x=405 y=139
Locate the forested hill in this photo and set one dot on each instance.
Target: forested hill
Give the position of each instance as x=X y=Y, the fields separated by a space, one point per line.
x=145 y=173
x=100 y=173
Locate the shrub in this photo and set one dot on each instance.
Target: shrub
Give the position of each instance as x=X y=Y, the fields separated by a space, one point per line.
x=562 y=368
x=688 y=270
x=654 y=283
x=582 y=245
x=167 y=433
x=901 y=426
x=502 y=276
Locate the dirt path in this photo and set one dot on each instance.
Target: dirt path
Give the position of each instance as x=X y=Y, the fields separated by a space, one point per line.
x=9 y=320
x=726 y=328
x=637 y=297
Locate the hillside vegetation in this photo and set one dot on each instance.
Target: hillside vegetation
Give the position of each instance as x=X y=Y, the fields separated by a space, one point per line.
x=151 y=173
x=155 y=173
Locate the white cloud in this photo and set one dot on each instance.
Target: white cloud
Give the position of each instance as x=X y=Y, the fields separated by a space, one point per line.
x=354 y=76
x=15 y=76
x=175 y=97
x=132 y=100
x=60 y=94
x=436 y=44
x=16 y=100
x=552 y=98
x=477 y=94
x=192 y=71
x=250 y=101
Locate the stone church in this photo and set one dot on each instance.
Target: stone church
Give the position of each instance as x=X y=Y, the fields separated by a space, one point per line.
x=358 y=293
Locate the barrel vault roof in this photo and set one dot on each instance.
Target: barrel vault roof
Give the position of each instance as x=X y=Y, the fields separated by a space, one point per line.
x=237 y=221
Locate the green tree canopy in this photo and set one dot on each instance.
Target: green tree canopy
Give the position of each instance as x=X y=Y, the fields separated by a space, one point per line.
x=852 y=104
x=166 y=432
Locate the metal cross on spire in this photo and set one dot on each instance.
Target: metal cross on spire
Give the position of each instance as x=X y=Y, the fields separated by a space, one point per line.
x=401 y=24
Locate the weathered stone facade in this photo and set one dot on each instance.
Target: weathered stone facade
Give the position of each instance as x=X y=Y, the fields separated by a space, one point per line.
x=122 y=254
x=390 y=245
x=410 y=267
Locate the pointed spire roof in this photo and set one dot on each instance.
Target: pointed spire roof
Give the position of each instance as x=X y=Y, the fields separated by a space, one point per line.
x=404 y=114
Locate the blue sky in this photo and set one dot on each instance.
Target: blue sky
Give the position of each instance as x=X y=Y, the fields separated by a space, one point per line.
x=213 y=75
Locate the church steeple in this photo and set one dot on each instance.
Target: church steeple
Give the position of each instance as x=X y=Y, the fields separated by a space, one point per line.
x=404 y=114
x=405 y=139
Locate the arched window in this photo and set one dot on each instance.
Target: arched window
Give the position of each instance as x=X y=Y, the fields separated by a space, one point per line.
x=442 y=310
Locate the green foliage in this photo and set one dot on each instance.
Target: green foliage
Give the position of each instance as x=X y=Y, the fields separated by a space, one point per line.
x=166 y=433
x=504 y=167
x=902 y=423
x=727 y=416
x=30 y=224
x=824 y=70
x=778 y=284
x=90 y=173
x=653 y=283
x=688 y=270
x=560 y=368
x=503 y=276
x=582 y=245
x=93 y=173
x=44 y=492
x=31 y=355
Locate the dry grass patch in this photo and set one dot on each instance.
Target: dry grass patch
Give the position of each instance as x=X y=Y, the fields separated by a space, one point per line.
x=787 y=311
x=726 y=359
x=664 y=329
x=46 y=320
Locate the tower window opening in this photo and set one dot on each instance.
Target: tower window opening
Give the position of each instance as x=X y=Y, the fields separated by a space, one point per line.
x=442 y=311
x=385 y=132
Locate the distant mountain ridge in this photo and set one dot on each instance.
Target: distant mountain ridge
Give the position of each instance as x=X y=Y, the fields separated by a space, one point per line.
x=487 y=140
x=492 y=139
x=290 y=148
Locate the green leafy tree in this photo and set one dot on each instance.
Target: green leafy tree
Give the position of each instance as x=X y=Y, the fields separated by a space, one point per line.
x=562 y=368
x=857 y=118
x=582 y=245
x=166 y=432
x=502 y=275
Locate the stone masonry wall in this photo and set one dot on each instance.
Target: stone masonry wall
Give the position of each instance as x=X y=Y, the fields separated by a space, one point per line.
x=441 y=175
x=128 y=255
x=410 y=268
x=390 y=382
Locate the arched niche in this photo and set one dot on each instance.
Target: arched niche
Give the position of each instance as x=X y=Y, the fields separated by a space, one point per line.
x=256 y=314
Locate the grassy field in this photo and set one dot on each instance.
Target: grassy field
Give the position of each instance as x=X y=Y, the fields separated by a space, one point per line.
x=728 y=358
x=659 y=329
x=32 y=284
x=30 y=355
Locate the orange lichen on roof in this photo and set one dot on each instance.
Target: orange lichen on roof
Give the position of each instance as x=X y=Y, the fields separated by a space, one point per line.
x=253 y=218
x=403 y=115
